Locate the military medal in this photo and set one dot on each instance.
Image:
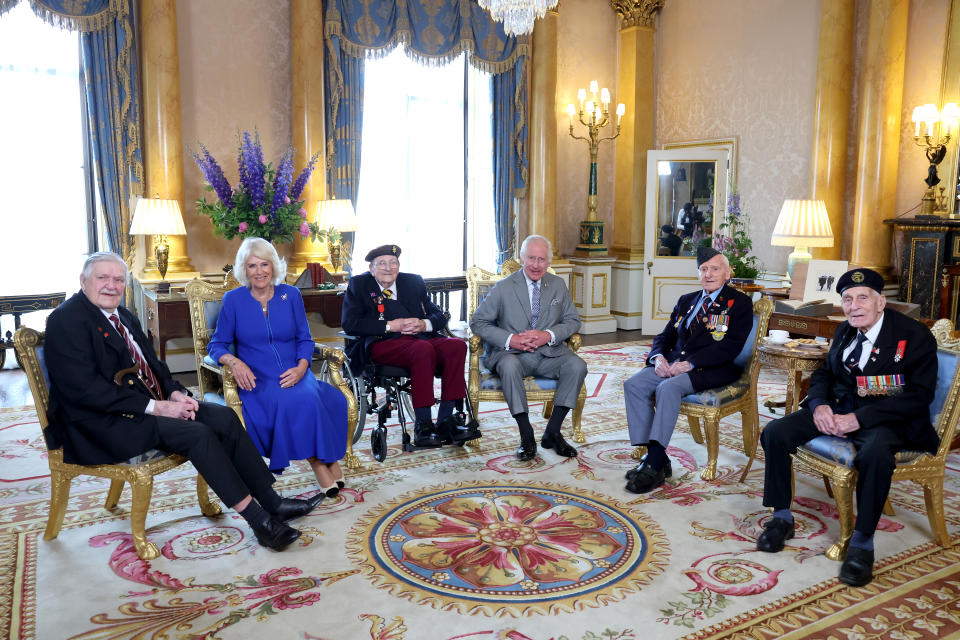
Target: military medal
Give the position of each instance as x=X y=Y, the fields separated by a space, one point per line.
x=901 y=347
x=879 y=385
x=379 y=302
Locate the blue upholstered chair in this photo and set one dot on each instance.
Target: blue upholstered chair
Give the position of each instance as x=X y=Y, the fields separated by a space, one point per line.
x=139 y=471
x=483 y=384
x=833 y=457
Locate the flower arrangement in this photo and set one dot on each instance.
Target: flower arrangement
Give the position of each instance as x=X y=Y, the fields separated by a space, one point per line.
x=732 y=238
x=266 y=203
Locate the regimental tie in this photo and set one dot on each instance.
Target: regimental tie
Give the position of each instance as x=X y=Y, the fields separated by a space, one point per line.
x=853 y=360
x=535 y=304
x=387 y=294
x=145 y=371
x=705 y=310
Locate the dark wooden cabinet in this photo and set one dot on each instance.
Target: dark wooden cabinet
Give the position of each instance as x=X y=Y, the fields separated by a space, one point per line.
x=925 y=246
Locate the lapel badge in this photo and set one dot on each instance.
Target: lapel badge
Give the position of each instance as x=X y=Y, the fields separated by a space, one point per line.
x=901 y=347
x=283 y=296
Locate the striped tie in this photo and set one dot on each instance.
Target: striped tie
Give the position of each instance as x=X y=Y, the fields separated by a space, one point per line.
x=704 y=310
x=146 y=373
x=535 y=304
x=387 y=294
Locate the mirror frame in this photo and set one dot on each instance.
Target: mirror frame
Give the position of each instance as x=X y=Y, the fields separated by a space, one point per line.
x=731 y=144
x=950 y=92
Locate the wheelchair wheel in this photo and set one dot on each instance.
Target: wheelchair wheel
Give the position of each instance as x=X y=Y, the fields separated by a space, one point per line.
x=359 y=392
x=378 y=443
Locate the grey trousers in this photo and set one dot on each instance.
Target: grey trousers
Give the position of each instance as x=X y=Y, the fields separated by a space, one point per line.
x=653 y=405
x=568 y=370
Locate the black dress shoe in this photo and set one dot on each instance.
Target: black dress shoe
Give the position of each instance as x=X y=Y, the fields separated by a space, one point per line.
x=646 y=480
x=452 y=430
x=274 y=534
x=527 y=451
x=776 y=531
x=425 y=434
x=857 y=568
x=667 y=469
x=291 y=508
x=556 y=442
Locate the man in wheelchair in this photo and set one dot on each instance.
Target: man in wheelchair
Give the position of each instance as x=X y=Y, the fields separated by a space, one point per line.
x=397 y=324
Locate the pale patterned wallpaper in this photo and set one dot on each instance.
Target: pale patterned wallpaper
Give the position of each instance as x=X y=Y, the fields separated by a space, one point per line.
x=234 y=76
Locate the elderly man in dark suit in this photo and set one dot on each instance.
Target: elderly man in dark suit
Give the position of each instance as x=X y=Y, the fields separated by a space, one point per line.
x=524 y=321
x=89 y=339
x=875 y=388
x=695 y=351
x=397 y=324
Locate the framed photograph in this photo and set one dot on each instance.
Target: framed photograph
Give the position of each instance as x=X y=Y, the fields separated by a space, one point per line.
x=821 y=282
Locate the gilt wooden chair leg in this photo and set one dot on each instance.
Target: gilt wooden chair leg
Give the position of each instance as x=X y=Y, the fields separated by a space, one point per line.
x=711 y=425
x=844 y=499
x=208 y=507
x=826 y=485
x=547 y=409
x=695 y=432
x=888 y=508
x=639 y=451
x=578 y=436
x=113 y=495
x=59 y=496
x=933 y=497
x=142 y=489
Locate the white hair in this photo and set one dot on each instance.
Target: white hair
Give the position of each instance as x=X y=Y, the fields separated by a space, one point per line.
x=529 y=239
x=262 y=249
x=100 y=256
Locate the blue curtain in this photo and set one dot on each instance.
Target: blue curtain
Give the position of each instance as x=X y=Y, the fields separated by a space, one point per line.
x=433 y=32
x=111 y=76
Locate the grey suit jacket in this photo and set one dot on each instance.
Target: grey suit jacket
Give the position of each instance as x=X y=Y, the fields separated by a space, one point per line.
x=506 y=310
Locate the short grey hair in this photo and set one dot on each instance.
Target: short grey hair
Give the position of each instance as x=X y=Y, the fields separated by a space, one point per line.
x=529 y=239
x=101 y=256
x=262 y=249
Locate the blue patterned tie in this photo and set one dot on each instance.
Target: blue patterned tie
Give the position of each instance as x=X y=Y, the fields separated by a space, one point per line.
x=535 y=304
x=853 y=360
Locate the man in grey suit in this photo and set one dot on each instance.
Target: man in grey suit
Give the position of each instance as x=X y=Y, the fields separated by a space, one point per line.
x=524 y=320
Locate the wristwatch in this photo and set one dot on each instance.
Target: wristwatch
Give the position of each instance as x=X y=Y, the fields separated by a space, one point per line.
x=388 y=328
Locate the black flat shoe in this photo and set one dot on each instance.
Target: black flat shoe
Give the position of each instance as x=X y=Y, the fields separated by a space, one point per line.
x=527 y=451
x=292 y=508
x=857 y=567
x=646 y=480
x=425 y=434
x=451 y=430
x=556 y=442
x=776 y=531
x=274 y=534
x=667 y=469
x=341 y=484
x=331 y=492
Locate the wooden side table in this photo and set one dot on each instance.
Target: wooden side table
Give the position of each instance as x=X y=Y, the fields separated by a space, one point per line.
x=18 y=305
x=795 y=361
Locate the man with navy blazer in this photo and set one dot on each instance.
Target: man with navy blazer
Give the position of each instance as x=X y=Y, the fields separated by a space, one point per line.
x=695 y=351
x=524 y=320
x=875 y=389
x=97 y=420
x=397 y=324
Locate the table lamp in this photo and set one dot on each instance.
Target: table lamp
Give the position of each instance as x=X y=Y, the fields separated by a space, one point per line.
x=337 y=217
x=802 y=224
x=158 y=218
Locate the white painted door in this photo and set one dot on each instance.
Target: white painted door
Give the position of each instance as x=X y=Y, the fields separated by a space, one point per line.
x=687 y=189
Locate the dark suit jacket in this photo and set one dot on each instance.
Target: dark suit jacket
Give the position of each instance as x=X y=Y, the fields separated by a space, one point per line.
x=360 y=316
x=712 y=360
x=909 y=412
x=95 y=420
x=672 y=242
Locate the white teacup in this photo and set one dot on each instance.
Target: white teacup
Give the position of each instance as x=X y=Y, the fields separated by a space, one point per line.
x=778 y=336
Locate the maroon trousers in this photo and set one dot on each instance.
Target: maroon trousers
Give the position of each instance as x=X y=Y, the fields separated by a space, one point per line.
x=443 y=356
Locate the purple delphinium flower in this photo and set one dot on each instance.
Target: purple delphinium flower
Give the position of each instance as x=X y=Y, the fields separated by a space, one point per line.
x=301 y=182
x=733 y=204
x=214 y=176
x=281 y=182
x=252 y=168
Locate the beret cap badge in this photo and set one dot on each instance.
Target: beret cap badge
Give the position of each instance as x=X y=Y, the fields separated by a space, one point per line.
x=856 y=276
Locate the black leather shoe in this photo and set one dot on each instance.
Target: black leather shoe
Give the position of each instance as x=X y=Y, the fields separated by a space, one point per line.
x=274 y=534
x=291 y=508
x=776 y=531
x=667 y=469
x=452 y=430
x=646 y=480
x=857 y=568
x=556 y=442
x=527 y=451
x=425 y=434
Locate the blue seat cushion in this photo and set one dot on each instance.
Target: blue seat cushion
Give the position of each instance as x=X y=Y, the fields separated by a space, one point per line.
x=718 y=395
x=489 y=381
x=214 y=398
x=842 y=451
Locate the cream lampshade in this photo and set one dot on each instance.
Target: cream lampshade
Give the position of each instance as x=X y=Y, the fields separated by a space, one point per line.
x=802 y=224
x=158 y=218
x=336 y=215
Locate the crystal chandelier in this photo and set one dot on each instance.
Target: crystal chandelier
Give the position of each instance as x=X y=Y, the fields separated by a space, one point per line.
x=517 y=16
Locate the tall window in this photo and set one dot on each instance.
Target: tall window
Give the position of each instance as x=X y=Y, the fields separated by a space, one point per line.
x=426 y=166
x=41 y=161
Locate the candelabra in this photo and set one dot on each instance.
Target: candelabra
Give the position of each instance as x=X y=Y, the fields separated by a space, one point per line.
x=594 y=115
x=934 y=141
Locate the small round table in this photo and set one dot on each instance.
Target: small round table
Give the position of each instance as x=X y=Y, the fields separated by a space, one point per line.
x=795 y=361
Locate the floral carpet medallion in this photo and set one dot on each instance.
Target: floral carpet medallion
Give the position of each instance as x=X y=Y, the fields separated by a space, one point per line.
x=508 y=548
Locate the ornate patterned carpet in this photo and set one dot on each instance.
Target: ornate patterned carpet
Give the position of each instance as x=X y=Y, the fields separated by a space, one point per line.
x=469 y=544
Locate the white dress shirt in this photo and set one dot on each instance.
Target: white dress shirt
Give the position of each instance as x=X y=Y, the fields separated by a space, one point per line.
x=871 y=338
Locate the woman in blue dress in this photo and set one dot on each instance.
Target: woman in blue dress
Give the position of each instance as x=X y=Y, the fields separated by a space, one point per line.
x=289 y=414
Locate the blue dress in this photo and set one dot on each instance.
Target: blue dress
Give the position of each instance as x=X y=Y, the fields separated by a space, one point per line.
x=305 y=421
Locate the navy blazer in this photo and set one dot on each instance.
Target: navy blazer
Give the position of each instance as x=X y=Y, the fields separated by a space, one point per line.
x=712 y=360
x=94 y=419
x=361 y=318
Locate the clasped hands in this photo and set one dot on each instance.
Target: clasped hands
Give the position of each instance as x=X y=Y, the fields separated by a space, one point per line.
x=408 y=326
x=834 y=424
x=247 y=381
x=666 y=370
x=180 y=405
x=529 y=340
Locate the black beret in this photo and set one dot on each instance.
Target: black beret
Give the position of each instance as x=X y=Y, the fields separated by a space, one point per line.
x=666 y=229
x=860 y=278
x=383 y=250
x=705 y=253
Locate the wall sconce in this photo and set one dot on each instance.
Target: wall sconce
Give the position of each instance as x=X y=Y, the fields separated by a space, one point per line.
x=802 y=224
x=158 y=218
x=336 y=217
x=934 y=139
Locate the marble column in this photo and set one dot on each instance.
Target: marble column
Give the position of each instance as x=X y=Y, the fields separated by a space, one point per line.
x=828 y=171
x=162 y=129
x=543 y=130
x=878 y=135
x=635 y=88
x=306 y=45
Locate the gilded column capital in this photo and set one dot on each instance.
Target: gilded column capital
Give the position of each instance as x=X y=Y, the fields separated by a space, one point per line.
x=636 y=13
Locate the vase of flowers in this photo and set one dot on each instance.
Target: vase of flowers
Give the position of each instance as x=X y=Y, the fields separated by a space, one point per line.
x=265 y=203
x=732 y=238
